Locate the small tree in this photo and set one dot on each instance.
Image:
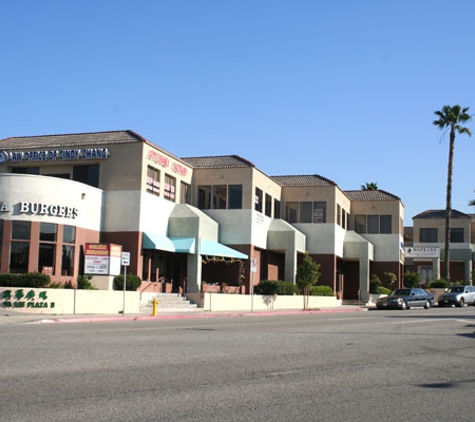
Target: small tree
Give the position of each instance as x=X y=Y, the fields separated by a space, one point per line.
x=307 y=275
x=391 y=277
x=369 y=186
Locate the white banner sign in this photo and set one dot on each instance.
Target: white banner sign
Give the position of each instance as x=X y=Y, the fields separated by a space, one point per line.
x=421 y=252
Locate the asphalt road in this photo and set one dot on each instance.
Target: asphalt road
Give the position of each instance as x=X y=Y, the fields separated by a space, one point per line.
x=375 y=365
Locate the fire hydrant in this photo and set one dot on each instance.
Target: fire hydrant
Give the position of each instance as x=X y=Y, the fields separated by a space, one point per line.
x=154 y=306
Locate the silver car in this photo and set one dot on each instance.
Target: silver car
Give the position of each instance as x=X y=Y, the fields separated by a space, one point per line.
x=458 y=296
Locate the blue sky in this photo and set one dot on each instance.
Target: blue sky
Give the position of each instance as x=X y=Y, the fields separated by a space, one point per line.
x=344 y=89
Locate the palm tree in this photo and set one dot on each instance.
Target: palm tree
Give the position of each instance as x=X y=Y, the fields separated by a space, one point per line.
x=369 y=186
x=452 y=118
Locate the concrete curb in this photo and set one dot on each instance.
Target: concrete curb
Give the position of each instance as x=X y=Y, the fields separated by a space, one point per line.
x=190 y=315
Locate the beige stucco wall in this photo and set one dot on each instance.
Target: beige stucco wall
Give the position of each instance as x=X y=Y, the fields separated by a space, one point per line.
x=439 y=224
x=248 y=177
x=234 y=302
x=393 y=208
x=326 y=194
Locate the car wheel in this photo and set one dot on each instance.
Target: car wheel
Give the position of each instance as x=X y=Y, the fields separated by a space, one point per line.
x=404 y=306
x=461 y=302
x=427 y=305
x=441 y=305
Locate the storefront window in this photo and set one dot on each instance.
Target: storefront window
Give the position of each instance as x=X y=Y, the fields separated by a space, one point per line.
x=67 y=260
x=46 y=259
x=48 y=232
x=456 y=235
x=220 y=196
x=319 y=212
x=428 y=235
x=385 y=223
x=373 y=224
x=19 y=252
x=69 y=234
x=26 y=170
x=185 y=193
x=291 y=212
x=204 y=197
x=235 y=197
x=169 y=188
x=268 y=210
x=305 y=212
x=276 y=208
x=46 y=253
x=87 y=174
x=21 y=230
x=153 y=181
x=258 y=200
x=67 y=255
x=360 y=223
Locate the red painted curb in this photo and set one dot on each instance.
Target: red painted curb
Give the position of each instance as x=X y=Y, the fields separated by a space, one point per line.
x=68 y=320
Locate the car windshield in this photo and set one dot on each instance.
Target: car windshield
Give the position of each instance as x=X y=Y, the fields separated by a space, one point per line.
x=401 y=292
x=456 y=289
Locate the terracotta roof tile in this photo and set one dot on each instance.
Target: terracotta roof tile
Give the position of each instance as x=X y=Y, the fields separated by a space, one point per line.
x=370 y=195
x=303 y=180
x=220 y=161
x=441 y=214
x=76 y=139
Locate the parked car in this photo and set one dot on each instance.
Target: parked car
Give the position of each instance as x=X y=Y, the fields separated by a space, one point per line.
x=458 y=296
x=405 y=299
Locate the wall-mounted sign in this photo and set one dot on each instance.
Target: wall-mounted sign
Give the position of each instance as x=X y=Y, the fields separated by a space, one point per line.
x=102 y=259
x=54 y=155
x=21 y=299
x=54 y=210
x=163 y=161
x=422 y=252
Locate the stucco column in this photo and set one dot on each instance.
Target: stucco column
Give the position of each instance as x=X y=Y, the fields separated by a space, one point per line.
x=364 y=279
x=468 y=270
x=194 y=266
x=193 y=284
x=291 y=265
x=436 y=268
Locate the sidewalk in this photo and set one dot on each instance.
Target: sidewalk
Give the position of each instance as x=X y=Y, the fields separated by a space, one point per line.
x=12 y=318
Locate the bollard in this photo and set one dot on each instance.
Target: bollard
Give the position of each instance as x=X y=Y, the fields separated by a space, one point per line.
x=154 y=306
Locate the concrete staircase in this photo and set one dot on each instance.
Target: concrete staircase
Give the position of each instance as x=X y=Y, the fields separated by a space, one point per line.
x=167 y=302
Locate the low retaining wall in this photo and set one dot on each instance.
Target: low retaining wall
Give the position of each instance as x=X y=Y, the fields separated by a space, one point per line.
x=68 y=301
x=235 y=302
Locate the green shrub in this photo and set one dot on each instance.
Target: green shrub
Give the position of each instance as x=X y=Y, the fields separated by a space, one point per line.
x=33 y=280
x=321 y=291
x=84 y=282
x=383 y=290
x=266 y=288
x=133 y=282
x=275 y=287
x=440 y=283
x=287 y=288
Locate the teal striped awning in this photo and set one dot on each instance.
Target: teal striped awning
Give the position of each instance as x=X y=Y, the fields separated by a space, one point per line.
x=157 y=241
x=183 y=244
x=209 y=247
x=187 y=245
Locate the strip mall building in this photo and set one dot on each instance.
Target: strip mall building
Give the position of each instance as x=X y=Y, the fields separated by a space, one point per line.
x=186 y=220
